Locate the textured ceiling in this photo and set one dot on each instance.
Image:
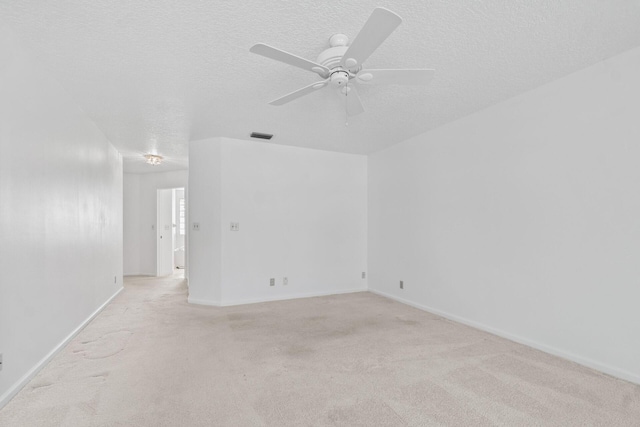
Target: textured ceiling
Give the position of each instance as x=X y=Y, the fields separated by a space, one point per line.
x=154 y=75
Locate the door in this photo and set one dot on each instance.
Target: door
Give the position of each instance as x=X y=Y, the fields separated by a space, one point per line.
x=164 y=240
x=179 y=227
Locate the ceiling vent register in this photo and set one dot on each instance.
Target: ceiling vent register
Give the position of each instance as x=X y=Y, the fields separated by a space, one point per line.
x=261 y=135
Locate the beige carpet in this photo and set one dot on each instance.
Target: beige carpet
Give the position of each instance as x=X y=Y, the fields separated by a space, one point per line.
x=150 y=359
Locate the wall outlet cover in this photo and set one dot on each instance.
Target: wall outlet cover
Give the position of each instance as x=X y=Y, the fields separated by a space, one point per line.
x=272 y=282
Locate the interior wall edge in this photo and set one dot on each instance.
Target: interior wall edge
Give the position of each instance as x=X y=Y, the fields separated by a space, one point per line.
x=589 y=363
x=17 y=386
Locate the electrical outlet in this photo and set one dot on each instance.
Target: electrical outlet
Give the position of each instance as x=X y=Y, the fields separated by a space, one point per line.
x=235 y=226
x=196 y=226
x=285 y=281
x=401 y=284
x=364 y=275
x=272 y=282
x=0 y=361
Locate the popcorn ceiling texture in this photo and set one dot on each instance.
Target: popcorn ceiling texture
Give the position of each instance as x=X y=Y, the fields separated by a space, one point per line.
x=154 y=75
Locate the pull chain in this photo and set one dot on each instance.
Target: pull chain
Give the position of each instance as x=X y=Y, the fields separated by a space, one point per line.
x=346 y=103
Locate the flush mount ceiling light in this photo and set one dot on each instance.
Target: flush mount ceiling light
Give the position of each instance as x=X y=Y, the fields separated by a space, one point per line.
x=153 y=159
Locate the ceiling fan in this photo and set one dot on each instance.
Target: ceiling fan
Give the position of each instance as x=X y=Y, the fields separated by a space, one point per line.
x=341 y=64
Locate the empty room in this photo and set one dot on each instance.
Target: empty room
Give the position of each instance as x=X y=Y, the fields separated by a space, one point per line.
x=278 y=213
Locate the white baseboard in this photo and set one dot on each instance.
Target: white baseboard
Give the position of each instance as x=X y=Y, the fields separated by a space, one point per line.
x=288 y=297
x=203 y=302
x=274 y=298
x=602 y=367
x=15 y=388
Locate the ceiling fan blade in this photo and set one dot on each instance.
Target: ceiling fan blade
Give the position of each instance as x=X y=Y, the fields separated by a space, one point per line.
x=398 y=77
x=289 y=58
x=378 y=27
x=354 y=105
x=299 y=93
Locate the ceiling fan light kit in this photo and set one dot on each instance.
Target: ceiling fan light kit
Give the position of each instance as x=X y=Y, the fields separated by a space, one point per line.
x=153 y=159
x=339 y=78
x=341 y=64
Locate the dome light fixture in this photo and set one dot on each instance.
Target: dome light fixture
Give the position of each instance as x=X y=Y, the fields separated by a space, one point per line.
x=153 y=159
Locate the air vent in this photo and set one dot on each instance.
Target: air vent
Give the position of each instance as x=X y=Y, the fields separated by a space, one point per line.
x=261 y=135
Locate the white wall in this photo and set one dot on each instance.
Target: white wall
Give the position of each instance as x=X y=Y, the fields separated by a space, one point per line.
x=60 y=216
x=302 y=215
x=204 y=198
x=140 y=205
x=523 y=219
x=132 y=224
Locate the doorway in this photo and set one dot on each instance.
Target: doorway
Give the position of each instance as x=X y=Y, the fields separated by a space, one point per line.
x=171 y=232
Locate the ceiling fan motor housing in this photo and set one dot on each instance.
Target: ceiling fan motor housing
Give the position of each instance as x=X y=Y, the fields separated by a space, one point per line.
x=331 y=57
